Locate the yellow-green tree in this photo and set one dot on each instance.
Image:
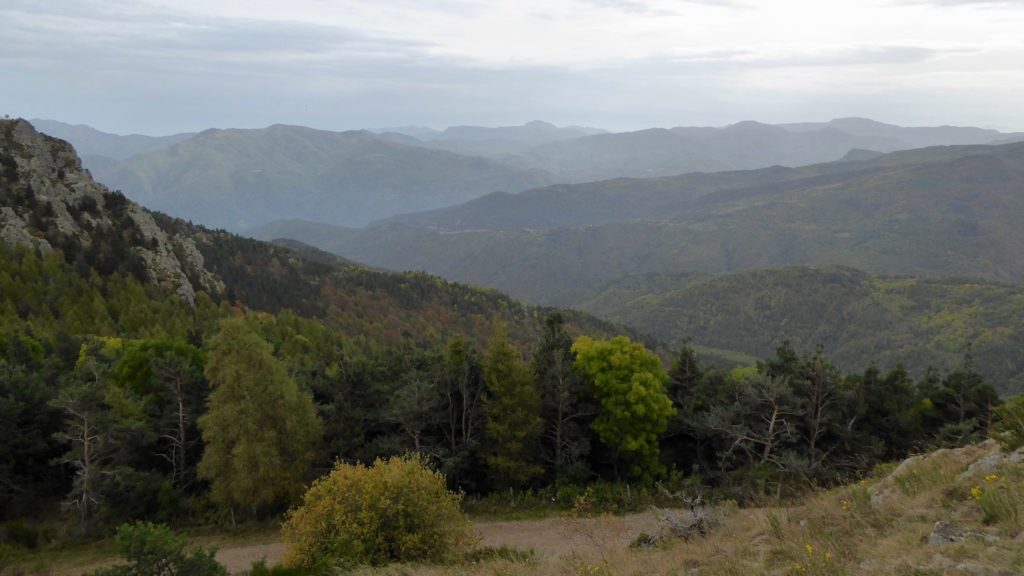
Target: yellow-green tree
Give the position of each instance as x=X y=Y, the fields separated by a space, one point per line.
x=260 y=430
x=628 y=382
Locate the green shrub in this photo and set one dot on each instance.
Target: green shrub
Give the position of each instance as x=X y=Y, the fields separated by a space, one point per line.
x=1009 y=427
x=153 y=550
x=396 y=510
x=21 y=535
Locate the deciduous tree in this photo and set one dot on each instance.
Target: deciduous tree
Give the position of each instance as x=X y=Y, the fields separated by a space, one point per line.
x=628 y=382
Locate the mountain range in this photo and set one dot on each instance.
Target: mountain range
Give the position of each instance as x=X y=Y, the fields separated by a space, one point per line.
x=92 y=144
x=928 y=240
x=584 y=155
x=948 y=211
x=238 y=179
x=50 y=205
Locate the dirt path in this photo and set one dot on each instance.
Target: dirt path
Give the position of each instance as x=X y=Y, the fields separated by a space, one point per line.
x=547 y=537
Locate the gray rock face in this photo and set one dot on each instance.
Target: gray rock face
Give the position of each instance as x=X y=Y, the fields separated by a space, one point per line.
x=14 y=231
x=982 y=467
x=945 y=533
x=46 y=196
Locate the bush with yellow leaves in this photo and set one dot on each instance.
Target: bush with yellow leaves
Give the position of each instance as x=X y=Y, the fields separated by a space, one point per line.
x=398 y=510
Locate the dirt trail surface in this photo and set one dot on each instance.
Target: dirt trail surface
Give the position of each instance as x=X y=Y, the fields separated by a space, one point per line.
x=552 y=537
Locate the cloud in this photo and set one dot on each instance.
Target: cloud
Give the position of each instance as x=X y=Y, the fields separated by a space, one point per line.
x=981 y=3
x=135 y=66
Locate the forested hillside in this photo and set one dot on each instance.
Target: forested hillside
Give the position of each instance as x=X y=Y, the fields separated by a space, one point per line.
x=627 y=250
x=153 y=369
x=943 y=212
x=859 y=319
x=670 y=198
x=96 y=289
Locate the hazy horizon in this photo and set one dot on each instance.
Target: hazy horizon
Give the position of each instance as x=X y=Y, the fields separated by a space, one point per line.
x=382 y=129
x=150 y=67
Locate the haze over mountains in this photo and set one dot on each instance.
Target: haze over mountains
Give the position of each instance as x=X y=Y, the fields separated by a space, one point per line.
x=92 y=143
x=954 y=211
x=243 y=178
x=239 y=178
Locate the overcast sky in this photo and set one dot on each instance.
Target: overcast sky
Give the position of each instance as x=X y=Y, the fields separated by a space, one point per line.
x=156 y=67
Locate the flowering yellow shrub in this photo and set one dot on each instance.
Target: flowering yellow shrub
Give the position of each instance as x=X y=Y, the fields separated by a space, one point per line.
x=396 y=510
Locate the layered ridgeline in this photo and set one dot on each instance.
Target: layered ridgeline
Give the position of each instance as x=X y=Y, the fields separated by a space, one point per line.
x=498 y=141
x=243 y=178
x=955 y=211
x=240 y=178
x=51 y=206
x=942 y=212
x=575 y=156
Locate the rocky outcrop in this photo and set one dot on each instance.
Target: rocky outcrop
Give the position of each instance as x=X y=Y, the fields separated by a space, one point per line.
x=945 y=533
x=50 y=203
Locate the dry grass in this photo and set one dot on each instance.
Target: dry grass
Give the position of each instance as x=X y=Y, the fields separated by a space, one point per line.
x=877 y=527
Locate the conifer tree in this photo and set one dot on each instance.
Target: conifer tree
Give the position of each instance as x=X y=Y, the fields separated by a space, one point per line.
x=260 y=430
x=513 y=414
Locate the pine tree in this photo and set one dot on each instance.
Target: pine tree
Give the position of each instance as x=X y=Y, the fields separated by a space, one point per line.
x=564 y=443
x=513 y=414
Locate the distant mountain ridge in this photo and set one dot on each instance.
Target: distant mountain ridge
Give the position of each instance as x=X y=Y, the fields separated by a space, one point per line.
x=89 y=141
x=947 y=211
x=240 y=178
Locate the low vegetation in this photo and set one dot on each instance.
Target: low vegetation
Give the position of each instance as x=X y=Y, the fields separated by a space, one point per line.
x=396 y=510
x=152 y=550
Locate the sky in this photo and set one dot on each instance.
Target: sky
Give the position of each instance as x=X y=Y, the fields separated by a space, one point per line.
x=160 y=67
